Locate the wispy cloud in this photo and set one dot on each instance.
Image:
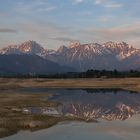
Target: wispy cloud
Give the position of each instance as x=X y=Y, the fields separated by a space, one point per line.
x=108 y=3
x=98 y=2
x=78 y=1
x=64 y=39
x=105 y=18
x=129 y=33
x=35 y=6
x=47 y=9
x=7 y=30
x=49 y=34
x=41 y=30
x=114 y=5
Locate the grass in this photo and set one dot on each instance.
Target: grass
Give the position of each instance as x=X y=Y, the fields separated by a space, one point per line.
x=11 y=121
x=122 y=83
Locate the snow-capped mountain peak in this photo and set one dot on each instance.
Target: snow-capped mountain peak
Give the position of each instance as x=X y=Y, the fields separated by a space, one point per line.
x=28 y=47
x=109 y=55
x=121 y=50
x=74 y=44
x=62 y=49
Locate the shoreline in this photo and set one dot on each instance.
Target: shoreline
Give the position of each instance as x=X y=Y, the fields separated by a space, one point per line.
x=132 y=84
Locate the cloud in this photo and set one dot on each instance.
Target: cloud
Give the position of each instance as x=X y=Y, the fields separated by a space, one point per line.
x=52 y=36
x=49 y=34
x=114 y=5
x=7 y=30
x=64 y=39
x=98 y=2
x=47 y=9
x=34 y=7
x=78 y=1
x=129 y=33
x=108 y=3
x=105 y=18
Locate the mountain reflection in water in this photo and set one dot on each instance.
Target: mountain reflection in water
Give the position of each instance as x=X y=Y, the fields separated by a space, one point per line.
x=94 y=104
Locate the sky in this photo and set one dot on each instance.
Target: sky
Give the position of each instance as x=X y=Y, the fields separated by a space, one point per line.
x=58 y=22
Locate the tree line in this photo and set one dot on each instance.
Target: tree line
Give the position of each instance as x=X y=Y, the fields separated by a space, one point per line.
x=87 y=74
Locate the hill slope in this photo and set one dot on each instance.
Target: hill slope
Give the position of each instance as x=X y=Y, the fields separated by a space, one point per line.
x=29 y=64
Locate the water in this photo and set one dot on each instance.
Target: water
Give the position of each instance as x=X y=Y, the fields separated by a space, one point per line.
x=93 y=104
x=114 y=130
x=112 y=115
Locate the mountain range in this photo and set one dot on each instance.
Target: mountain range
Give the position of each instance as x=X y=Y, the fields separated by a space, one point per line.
x=76 y=57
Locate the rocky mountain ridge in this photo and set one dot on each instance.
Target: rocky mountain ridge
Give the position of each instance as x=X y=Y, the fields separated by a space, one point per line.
x=110 y=55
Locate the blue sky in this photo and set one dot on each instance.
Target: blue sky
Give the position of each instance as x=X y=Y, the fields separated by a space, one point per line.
x=56 y=22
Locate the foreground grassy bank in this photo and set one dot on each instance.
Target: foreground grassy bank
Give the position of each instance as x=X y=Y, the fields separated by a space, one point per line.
x=12 y=120
x=122 y=83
